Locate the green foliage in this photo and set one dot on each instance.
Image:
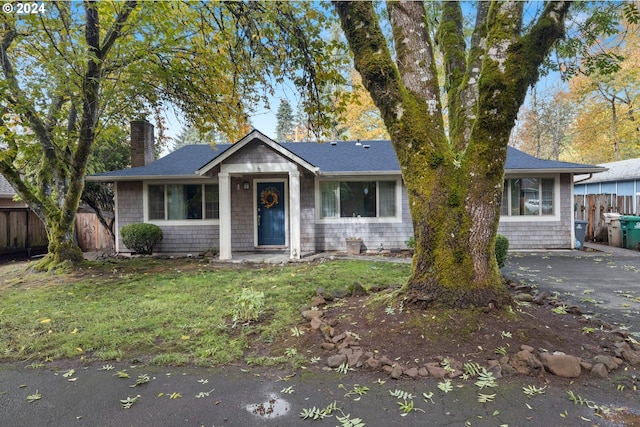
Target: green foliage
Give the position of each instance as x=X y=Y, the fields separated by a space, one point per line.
x=141 y=237
x=248 y=306
x=411 y=243
x=285 y=121
x=502 y=246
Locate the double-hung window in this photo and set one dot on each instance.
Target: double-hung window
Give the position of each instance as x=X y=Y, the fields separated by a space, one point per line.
x=357 y=199
x=183 y=201
x=528 y=197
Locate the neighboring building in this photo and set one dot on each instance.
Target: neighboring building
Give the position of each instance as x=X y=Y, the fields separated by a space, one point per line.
x=21 y=231
x=615 y=190
x=258 y=194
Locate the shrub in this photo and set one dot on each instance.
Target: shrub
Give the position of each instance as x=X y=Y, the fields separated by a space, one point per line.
x=502 y=245
x=248 y=306
x=411 y=243
x=141 y=238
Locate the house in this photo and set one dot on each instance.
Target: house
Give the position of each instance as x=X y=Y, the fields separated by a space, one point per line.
x=615 y=190
x=305 y=197
x=21 y=231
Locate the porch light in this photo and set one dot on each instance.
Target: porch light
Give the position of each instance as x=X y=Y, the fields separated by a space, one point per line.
x=245 y=185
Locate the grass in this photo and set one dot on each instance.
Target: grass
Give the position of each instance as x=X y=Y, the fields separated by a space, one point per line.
x=175 y=312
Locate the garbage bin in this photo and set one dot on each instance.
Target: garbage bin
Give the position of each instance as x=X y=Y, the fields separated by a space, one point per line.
x=613 y=229
x=630 y=227
x=580 y=228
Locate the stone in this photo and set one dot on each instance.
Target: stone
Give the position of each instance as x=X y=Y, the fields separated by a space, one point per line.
x=327 y=332
x=436 y=371
x=372 y=363
x=336 y=360
x=411 y=372
x=318 y=301
x=632 y=357
x=599 y=370
x=355 y=359
x=316 y=323
x=339 y=338
x=423 y=372
x=528 y=348
x=523 y=297
x=610 y=362
x=524 y=363
x=311 y=314
x=386 y=361
x=328 y=346
x=358 y=290
x=396 y=372
x=387 y=369
x=561 y=365
x=345 y=350
x=496 y=370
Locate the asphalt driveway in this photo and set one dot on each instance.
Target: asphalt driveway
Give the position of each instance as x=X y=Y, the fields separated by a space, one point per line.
x=603 y=281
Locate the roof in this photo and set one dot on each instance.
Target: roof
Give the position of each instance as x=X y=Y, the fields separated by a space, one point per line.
x=624 y=170
x=330 y=158
x=6 y=190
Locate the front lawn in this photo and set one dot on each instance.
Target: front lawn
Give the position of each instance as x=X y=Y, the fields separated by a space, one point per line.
x=167 y=312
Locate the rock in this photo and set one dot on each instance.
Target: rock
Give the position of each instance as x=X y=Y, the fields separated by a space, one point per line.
x=411 y=372
x=528 y=348
x=495 y=369
x=336 y=360
x=561 y=365
x=318 y=301
x=386 y=361
x=387 y=369
x=632 y=357
x=525 y=363
x=586 y=366
x=540 y=298
x=328 y=346
x=523 y=297
x=345 y=350
x=327 y=332
x=340 y=293
x=599 y=370
x=372 y=363
x=436 y=371
x=322 y=292
x=354 y=359
x=338 y=338
x=396 y=372
x=316 y=323
x=311 y=314
x=423 y=372
x=610 y=362
x=574 y=309
x=358 y=290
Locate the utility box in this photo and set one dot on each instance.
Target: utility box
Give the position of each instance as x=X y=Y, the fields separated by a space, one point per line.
x=614 y=234
x=630 y=227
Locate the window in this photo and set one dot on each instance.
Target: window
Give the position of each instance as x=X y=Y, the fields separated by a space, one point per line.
x=183 y=201
x=358 y=199
x=528 y=197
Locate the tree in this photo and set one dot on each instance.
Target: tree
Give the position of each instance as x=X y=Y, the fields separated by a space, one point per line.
x=191 y=135
x=454 y=177
x=285 y=125
x=76 y=70
x=544 y=124
x=362 y=119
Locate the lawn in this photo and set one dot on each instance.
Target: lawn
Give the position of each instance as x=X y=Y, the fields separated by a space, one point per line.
x=166 y=312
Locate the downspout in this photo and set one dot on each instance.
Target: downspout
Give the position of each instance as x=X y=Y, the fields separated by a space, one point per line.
x=583 y=179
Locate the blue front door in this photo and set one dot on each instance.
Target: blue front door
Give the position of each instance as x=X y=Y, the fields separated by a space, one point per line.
x=271 y=220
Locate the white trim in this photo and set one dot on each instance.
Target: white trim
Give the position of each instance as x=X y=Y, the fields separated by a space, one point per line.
x=116 y=211
x=397 y=218
x=178 y=222
x=557 y=206
x=255 y=213
x=224 y=191
x=253 y=135
x=256 y=168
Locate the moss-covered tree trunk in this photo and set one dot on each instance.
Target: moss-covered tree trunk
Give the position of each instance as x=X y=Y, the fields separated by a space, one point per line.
x=454 y=176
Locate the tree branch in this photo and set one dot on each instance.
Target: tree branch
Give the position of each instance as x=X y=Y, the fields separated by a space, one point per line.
x=116 y=28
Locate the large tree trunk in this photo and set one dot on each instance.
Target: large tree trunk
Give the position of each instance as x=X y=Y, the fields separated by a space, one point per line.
x=454 y=178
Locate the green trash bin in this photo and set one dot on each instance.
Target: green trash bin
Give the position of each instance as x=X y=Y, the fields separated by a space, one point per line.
x=630 y=227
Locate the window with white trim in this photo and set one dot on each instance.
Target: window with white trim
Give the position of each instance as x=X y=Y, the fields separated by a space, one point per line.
x=528 y=197
x=183 y=201
x=358 y=199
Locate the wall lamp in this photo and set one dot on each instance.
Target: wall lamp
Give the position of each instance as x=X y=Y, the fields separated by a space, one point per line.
x=245 y=185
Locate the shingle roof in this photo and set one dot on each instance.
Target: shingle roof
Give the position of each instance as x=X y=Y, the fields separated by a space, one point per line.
x=330 y=158
x=6 y=190
x=624 y=170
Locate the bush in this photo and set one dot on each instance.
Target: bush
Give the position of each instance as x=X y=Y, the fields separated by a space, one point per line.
x=502 y=245
x=247 y=306
x=141 y=238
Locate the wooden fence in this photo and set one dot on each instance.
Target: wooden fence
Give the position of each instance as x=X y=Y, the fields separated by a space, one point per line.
x=22 y=233
x=592 y=208
x=91 y=235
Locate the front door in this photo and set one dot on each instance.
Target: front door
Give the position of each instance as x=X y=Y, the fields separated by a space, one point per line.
x=271 y=217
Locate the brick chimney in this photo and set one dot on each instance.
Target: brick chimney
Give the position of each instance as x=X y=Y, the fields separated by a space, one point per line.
x=142 y=146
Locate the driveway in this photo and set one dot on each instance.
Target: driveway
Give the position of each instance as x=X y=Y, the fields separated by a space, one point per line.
x=603 y=281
